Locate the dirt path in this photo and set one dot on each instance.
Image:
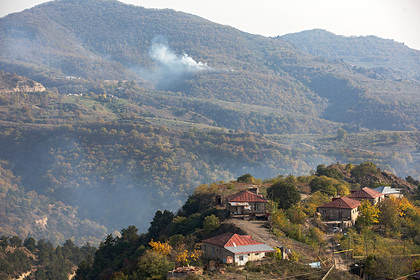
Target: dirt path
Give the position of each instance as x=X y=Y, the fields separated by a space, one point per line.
x=257 y=230
x=340 y=262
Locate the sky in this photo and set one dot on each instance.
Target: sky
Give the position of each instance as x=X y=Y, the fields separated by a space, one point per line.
x=389 y=19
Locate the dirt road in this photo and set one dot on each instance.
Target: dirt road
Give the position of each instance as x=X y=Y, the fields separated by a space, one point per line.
x=257 y=230
x=340 y=263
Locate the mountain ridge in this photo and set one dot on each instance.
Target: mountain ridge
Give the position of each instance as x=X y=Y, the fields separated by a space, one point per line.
x=386 y=56
x=108 y=40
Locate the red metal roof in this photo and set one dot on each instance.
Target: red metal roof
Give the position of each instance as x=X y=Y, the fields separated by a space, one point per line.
x=231 y=239
x=246 y=196
x=366 y=193
x=341 y=202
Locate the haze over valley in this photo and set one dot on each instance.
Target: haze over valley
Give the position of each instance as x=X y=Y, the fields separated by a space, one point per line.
x=110 y=112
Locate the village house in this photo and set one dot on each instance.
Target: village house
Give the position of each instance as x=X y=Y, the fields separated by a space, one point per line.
x=372 y=196
x=234 y=248
x=389 y=192
x=341 y=210
x=246 y=203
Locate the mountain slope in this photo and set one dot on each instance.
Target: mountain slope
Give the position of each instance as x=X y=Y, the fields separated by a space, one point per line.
x=172 y=51
x=387 y=57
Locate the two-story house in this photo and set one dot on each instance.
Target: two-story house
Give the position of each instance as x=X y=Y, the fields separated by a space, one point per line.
x=341 y=209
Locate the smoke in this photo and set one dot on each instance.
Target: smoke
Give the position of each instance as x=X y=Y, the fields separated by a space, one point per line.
x=171 y=68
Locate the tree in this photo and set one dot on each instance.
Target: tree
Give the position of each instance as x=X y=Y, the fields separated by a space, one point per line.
x=30 y=244
x=284 y=193
x=153 y=265
x=211 y=223
x=388 y=213
x=341 y=134
x=15 y=241
x=368 y=214
x=246 y=178
x=322 y=170
x=364 y=169
x=396 y=137
x=129 y=234
x=160 y=221
x=328 y=186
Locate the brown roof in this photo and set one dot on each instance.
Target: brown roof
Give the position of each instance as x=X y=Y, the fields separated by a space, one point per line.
x=366 y=193
x=230 y=239
x=341 y=202
x=246 y=196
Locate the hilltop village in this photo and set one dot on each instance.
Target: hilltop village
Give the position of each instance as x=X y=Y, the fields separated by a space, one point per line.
x=246 y=228
x=322 y=225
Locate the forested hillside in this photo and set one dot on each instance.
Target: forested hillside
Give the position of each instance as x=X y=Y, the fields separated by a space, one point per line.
x=386 y=58
x=389 y=230
x=172 y=51
x=109 y=112
x=172 y=239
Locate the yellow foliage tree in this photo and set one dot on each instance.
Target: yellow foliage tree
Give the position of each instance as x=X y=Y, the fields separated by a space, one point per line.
x=402 y=204
x=368 y=214
x=184 y=255
x=161 y=248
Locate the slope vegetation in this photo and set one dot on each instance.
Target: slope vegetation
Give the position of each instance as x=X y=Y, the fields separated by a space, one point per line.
x=172 y=51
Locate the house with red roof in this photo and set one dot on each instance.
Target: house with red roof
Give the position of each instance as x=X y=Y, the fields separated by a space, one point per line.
x=245 y=203
x=342 y=209
x=367 y=194
x=234 y=248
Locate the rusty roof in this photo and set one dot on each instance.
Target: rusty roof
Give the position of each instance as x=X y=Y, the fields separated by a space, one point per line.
x=246 y=196
x=341 y=202
x=366 y=193
x=230 y=239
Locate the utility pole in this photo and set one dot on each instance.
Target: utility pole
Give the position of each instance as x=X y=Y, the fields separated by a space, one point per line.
x=348 y=252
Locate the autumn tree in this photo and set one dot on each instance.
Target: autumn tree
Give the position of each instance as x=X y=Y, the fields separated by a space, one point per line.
x=368 y=214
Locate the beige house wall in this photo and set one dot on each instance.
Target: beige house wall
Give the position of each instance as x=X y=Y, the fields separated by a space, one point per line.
x=372 y=201
x=256 y=207
x=339 y=214
x=255 y=256
x=215 y=252
x=211 y=251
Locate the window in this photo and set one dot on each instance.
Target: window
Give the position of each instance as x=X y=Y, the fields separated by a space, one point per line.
x=241 y=258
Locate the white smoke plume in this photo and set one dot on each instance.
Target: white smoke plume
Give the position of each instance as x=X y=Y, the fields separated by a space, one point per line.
x=171 y=68
x=171 y=62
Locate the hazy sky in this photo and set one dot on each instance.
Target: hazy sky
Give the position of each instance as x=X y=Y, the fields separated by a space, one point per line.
x=390 y=19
